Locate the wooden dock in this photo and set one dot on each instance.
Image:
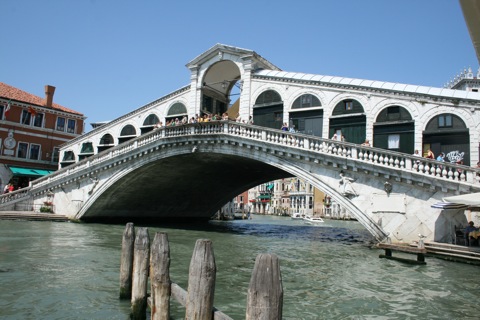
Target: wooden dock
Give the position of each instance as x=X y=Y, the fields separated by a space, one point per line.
x=390 y=248
x=452 y=252
x=32 y=216
x=445 y=251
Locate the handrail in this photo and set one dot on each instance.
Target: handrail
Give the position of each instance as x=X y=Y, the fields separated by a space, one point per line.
x=377 y=156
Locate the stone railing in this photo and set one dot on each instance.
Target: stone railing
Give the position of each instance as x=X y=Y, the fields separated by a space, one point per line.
x=376 y=156
x=382 y=157
x=15 y=196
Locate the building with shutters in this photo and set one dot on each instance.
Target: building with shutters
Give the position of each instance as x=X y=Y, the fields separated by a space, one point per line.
x=31 y=132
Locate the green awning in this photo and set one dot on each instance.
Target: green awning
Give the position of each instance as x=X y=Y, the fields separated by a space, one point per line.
x=264 y=196
x=27 y=172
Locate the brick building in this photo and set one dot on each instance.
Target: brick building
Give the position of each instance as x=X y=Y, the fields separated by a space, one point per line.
x=31 y=130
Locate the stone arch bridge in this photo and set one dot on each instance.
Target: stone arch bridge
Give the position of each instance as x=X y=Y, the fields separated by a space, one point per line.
x=190 y=171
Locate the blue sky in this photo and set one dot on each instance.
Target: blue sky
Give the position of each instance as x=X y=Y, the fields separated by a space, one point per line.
x=109 y=57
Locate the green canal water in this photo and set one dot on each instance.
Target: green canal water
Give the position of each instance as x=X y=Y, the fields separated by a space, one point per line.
x=71 y=271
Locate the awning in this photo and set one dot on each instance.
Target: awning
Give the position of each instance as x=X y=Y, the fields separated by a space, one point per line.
x=449 y=205
x=472 y=199
x=28 y=172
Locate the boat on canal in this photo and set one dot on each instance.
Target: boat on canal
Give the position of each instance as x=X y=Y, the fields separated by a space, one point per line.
x=297 y=216
x=313 y=220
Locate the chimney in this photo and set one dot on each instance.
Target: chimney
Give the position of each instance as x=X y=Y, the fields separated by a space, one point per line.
x=49 y=91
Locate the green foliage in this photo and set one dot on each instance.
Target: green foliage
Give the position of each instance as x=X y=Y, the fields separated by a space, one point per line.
x=46 y=209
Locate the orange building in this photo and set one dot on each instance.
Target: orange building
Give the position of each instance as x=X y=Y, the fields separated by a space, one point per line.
x=31 y=131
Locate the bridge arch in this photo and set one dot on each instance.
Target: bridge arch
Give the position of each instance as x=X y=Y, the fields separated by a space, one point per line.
x=218 y=80
x=257 y=169
x=223 y=67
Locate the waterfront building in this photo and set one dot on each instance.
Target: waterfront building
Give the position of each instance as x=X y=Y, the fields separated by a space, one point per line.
x=260 y=198
x=31 y=132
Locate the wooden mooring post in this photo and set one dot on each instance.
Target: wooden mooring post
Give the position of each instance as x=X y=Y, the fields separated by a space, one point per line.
x=126 y=262
x=141 y=257
x=160 y=277
x=265 y=292
x=201 y=282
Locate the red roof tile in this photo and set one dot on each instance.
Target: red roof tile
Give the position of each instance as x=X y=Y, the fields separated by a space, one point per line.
x=12 y=93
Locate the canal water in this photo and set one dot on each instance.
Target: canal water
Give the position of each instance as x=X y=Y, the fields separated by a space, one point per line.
x=71 y=271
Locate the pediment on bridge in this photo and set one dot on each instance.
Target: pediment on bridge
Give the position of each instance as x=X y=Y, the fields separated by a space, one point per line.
x=222 y=51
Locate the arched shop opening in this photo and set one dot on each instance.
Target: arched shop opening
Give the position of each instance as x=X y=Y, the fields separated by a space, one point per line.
x=176 y=111
x=149 y=123
x=448 y=133
x=106 y=142
x=68 y=159
x=306 y=115
x=268 y=110
x=394 y=129
x=348 y=119
x=221 y=79
x=86 y=151
x=128 y=132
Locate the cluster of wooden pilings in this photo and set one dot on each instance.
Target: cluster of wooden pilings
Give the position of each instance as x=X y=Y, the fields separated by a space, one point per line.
x=141 y=262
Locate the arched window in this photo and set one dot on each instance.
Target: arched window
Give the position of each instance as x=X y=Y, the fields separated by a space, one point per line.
x=268 y=110
x=306 y=101
x=68 y=156
x=86 y=151
x=445 y=122
x=268 y=97
x=106 y=141
x=448 y=133
x=394 y=113
x=349 y=121
x=68 y=159
x=307 y=121
x=149 y=123
x=151 y=120
x=394 y=130
x=128 y=132
x=177 y=109
x=347 y=106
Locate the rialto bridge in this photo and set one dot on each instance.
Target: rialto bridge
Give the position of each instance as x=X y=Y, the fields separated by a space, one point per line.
x=126 y=168
x=189 y=171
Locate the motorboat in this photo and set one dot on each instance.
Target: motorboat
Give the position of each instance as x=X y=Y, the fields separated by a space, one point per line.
x=297 y=216
x=313 y=220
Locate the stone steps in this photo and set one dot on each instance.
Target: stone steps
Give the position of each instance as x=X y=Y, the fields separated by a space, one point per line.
x=32 y=216
x=453 y=252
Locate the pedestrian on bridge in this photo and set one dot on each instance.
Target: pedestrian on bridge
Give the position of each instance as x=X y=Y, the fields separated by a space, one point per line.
x=430 y=154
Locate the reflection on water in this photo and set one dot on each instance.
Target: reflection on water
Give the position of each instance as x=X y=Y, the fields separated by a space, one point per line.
x=71 y=271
